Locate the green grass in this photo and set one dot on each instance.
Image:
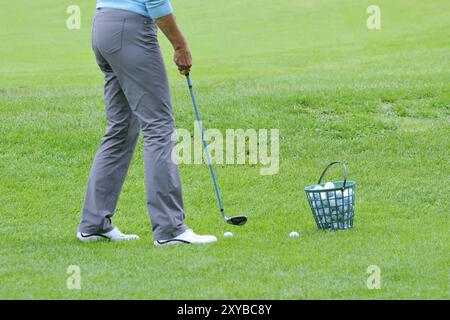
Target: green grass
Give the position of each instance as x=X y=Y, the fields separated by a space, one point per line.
x=377 y=99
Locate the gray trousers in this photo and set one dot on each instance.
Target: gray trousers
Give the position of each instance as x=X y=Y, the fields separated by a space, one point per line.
x=137 y=98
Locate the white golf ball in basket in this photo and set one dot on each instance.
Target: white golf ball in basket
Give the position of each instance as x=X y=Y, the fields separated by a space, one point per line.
x=329 y=185
x=294 y=234
x=227 y=234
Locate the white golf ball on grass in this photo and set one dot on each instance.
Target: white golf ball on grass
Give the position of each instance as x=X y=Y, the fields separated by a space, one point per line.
x=227 y=234
x=294 y=234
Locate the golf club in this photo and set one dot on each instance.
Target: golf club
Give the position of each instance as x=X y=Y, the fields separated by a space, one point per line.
x=237 y=220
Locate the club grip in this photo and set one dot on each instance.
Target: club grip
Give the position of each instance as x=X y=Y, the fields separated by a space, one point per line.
x=188 y=78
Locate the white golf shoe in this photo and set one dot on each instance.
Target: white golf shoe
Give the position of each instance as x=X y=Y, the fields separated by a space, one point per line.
x=113 y=235
x=186 y=237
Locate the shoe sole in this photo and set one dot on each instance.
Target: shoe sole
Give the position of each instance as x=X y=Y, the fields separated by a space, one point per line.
x=100 y=237
x=92 y=237
x=160 y=243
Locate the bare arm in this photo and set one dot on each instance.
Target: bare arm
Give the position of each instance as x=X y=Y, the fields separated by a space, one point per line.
x=182 y=56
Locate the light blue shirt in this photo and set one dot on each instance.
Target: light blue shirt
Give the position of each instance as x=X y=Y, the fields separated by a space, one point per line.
x=150 y=8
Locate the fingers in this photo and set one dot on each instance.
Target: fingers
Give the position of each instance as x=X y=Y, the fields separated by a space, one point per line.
x=183 y=60
x=184 y=66
x=184 y=71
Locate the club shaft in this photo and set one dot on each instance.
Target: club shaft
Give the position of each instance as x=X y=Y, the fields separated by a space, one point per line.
x=208 y=156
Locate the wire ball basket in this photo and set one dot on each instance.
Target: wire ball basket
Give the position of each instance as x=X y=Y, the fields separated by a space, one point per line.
x=332 y=203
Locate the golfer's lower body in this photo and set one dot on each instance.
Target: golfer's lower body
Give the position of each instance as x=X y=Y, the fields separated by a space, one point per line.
x=137 y=99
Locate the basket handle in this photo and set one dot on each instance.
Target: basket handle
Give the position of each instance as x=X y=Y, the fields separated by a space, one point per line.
x=328 y=167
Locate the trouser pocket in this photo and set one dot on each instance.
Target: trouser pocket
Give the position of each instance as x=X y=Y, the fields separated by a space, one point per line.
x=108 y=34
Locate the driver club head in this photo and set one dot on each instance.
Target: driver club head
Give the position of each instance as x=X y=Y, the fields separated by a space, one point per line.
x=237 y=220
